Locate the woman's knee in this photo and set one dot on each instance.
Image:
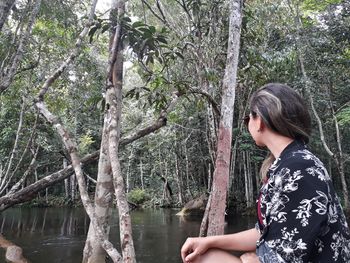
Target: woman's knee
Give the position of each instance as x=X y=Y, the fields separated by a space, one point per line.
x=217 y=255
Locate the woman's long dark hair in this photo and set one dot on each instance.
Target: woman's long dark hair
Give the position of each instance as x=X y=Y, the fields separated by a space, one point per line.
x=284 y=111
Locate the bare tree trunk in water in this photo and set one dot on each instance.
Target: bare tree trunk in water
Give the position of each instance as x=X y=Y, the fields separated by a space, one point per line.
x=109 y=173
x=114 y=93
x=222 y=163
x=93 y=251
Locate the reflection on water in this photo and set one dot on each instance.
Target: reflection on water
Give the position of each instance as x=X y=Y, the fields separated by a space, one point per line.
x=58 y=234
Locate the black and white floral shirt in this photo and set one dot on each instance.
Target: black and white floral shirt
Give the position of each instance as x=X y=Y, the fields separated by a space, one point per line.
x=299 y=215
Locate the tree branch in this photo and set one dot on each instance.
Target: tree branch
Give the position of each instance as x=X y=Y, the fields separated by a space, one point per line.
x=209 y=98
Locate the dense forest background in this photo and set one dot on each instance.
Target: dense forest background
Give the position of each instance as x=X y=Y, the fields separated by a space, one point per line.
x=129 y=97
x=175 y=55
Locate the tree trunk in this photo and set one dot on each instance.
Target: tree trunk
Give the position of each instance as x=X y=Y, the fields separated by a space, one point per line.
x=130 y=157
x=114 y=110
x=66 y=181
x=141 y=175
x=72 y=188
x=222 y=163
x=179 y=181
x=7 y=176
x=93 y=251
x=341 y=161
x=5 y=7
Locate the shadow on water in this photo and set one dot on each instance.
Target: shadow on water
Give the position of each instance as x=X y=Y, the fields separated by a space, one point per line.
x=57 y=235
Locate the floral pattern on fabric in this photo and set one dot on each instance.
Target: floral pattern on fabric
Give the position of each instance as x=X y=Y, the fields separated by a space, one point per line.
x=301 y=216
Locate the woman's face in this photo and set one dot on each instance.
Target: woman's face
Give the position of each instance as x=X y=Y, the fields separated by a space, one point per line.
x=255 y=129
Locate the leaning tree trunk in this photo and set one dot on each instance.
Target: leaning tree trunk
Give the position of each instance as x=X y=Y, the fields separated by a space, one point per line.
x=222 y=164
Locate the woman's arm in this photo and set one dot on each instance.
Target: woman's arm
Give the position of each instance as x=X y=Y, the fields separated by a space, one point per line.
x=241 y=241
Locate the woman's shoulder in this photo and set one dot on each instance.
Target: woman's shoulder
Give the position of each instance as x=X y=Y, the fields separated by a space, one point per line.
x=304 y=162
x=301 y=158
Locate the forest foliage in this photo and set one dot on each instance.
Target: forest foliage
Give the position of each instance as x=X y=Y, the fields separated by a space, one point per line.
x=170 y=47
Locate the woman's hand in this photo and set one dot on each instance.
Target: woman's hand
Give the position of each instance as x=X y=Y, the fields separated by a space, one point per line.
x=249 y=257
x=194 y=247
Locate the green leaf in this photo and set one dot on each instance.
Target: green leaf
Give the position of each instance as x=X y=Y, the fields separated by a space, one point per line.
x=138 y=24
x=93 y=31
x=179 y=55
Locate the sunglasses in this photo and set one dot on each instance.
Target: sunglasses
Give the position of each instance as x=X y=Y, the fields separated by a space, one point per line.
x=246 y=120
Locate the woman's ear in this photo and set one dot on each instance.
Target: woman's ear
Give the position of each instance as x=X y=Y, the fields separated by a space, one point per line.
x=261 y=124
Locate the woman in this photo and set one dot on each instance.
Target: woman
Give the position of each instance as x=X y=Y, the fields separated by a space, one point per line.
x=299 y=215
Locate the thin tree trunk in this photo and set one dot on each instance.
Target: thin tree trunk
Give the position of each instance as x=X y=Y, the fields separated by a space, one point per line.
x=340 y=162
x=72 y=188
x=250 y=181
x=30 y=168
x=178 y=180
x=141 y=175
x=9 y=74
x=204 y=224
x=188 y=187
x=246 y=185
x=66 y=181
x=5 y=7
x=5 y=177
x=128 y=170
x=257 y=177
x=222 y=163
x=114 y=100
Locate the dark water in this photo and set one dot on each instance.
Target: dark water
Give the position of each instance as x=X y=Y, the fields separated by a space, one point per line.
x=53 y=235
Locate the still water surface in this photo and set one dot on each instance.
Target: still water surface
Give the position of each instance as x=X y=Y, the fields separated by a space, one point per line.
x=55 y=235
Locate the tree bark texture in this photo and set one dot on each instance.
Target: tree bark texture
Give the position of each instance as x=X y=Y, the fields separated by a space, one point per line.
x=93 y=251
x=114 y=106
x=222 y=163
